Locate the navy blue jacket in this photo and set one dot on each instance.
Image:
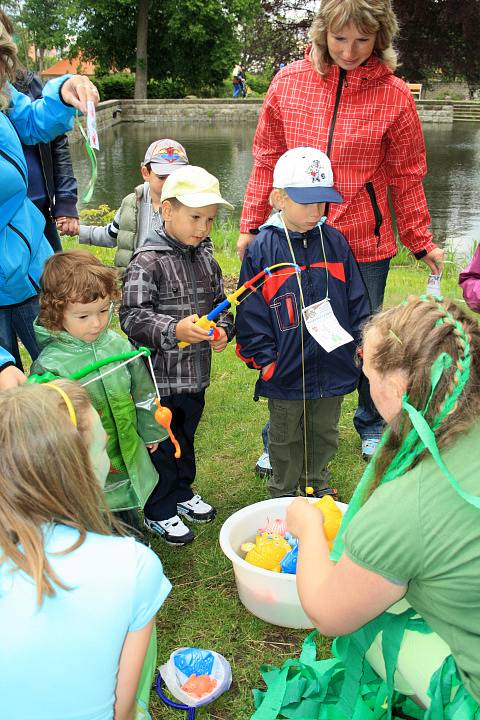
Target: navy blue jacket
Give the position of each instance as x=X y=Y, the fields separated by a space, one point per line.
x=268 y=321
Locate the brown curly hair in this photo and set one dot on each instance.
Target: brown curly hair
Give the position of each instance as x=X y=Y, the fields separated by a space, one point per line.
x=73 y=276
x=8 y=59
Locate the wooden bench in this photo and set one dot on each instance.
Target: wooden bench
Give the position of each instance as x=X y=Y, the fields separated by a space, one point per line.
x=415 y=89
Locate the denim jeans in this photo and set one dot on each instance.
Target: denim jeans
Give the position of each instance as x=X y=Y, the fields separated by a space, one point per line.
x=367 y=421
x=17 y=322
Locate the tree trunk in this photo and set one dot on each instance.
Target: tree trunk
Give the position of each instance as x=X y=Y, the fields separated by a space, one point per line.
x=141 y=65
x=40 y=56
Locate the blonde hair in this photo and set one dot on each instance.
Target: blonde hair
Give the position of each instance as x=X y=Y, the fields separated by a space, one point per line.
x=369 y=16
x=8 y=60
x=45 y=478
x=410 y=337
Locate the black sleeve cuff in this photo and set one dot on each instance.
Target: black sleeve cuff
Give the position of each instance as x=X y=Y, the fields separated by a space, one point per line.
x=420 y=254
x=254 y=231
x=5 y=365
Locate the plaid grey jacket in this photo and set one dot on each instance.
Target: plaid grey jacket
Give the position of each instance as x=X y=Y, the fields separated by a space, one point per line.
x=165 y=282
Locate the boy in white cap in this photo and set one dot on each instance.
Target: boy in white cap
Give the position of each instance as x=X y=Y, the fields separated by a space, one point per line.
x=170 y=282
x=140 y=213
x=302 y=328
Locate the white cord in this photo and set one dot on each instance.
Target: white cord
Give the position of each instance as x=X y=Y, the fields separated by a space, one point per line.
x=114 y=369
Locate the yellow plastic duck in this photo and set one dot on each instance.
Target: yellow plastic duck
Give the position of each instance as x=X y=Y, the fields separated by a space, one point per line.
x=267 y=552
x=332 y=517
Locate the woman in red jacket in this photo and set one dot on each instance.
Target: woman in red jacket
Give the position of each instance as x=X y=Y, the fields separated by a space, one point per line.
x=344 y=99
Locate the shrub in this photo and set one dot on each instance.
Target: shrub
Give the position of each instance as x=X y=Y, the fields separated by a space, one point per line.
x=115 y=87
x=97 y=216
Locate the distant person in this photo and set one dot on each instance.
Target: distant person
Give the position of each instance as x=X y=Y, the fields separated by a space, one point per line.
x=140 y=214
x=77 y=603
x=278 y=68
x=23 y=245
x=237 y=81
x=344 y=99
x=169 y=283
x=303 y=381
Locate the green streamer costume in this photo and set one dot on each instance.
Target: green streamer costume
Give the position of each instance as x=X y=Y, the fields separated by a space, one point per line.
x=346 y=686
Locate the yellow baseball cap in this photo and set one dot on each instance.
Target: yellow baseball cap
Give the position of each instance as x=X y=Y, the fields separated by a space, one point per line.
x=194 y=187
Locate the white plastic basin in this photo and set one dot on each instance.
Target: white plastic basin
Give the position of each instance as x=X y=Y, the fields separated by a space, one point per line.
x=270 y=596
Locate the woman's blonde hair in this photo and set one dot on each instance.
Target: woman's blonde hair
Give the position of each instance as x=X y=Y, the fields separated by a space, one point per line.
x=45 y=478
x=411 y=337
x=8 y=60
x=369 y=16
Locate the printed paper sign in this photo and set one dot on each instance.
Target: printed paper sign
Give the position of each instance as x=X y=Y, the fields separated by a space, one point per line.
x=433 y=285
x=324 y=327
x=92 y=126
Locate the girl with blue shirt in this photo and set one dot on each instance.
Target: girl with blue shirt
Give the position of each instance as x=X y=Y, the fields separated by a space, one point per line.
x=77 y=604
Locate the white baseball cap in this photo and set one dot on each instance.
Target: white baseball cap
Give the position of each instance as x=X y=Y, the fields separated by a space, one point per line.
x=194 y=187
x=306 y=176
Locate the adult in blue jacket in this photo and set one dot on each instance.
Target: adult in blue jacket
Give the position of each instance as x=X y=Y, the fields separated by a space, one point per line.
x=23 y=246
x=10 y=376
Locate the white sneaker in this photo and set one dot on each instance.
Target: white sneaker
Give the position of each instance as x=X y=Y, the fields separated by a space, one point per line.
x=263 y=466
x=196 y=510
x=172 y=530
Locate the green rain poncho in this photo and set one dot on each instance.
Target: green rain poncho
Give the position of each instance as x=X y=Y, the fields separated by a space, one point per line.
x=124 y=401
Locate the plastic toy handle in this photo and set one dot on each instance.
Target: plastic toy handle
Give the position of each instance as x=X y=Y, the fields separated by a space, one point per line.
x=163 y=416
x=204 y=323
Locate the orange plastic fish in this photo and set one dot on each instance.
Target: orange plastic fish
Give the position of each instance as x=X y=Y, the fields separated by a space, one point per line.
x=199 y=685
x=163 y=417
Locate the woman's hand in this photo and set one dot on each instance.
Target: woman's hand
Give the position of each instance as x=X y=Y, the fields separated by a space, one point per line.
x=302 y=516
x=434 y=260
x=244 y=240
x=68 y=225
x=11 y=377
x=77 y=91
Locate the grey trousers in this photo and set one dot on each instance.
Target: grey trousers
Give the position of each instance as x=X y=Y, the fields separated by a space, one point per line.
x=286 y=443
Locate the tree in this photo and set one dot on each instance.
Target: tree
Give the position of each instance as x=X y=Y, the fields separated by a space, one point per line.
x=192 y=45
x=47 y=25
x=141 y=74
x=439 y=35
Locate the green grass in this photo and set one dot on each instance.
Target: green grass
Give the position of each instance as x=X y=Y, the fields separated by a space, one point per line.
x=203 y=608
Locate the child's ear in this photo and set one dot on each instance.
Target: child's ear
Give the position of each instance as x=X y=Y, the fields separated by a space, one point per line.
x=167 y=208
x=145 y=173
x=278 y=199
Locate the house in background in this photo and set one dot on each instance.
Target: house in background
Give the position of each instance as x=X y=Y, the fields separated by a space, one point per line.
x=62 y=67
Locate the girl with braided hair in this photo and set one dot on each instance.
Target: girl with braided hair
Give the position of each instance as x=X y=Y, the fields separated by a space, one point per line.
x=412 y=529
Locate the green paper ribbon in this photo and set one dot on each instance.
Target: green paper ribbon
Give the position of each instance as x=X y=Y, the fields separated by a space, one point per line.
x=87 y=196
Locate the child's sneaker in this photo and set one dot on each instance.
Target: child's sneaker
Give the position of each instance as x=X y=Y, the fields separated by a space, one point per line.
x=263 y=466
x=172 y=530
x=196 y=510
x=369 y=445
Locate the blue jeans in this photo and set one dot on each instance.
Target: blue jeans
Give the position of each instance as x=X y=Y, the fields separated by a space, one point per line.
x=367 y=421
x=17 y=322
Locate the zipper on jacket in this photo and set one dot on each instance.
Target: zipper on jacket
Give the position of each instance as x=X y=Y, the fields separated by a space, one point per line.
x=15 y=165
x=22 y=236
x=341 y=81
x=376 y=210
x=308 y=273
x=193 y=280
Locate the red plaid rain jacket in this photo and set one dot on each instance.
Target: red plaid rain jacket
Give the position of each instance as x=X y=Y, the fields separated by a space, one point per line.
x=366 y=121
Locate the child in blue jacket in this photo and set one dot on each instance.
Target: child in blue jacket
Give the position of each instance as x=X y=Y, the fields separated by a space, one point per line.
x=270 y=325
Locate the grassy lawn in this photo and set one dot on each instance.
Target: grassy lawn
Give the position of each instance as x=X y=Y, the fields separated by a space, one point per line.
x=203 y=609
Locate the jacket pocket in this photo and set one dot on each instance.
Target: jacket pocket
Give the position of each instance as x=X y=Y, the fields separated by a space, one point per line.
x=286 y=311
x=377 y=213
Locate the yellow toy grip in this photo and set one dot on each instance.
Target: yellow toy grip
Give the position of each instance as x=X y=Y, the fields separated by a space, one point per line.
x=202 y=322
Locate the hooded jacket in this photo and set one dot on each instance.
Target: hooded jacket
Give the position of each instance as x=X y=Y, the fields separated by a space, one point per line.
x=23 y=246
x=165 y=282
x=365 y=120
x=268 y=322
x=124 y=401
x=5 y=359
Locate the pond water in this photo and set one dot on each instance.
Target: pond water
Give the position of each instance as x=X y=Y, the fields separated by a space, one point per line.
x=452 y=184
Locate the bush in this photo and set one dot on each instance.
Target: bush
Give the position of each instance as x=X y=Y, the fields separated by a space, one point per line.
x=258 y=83
x=97 y=216
x=115 y=87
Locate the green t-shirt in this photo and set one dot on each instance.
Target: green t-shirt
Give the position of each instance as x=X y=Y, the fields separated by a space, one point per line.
x=416 y=530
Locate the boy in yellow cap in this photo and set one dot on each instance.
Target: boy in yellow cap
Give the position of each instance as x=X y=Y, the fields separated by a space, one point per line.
x=170 y=282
